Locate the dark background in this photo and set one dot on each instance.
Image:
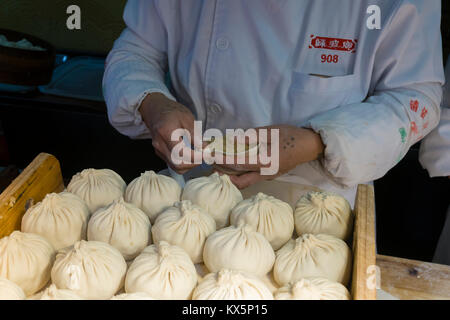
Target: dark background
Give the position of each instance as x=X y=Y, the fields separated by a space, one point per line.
x=410 y=206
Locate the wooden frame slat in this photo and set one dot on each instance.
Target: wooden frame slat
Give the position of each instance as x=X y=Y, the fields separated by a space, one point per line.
x=364 y=256
x=40 y=177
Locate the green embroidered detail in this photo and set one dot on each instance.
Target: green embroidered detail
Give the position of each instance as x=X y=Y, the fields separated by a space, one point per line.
x=403 y=134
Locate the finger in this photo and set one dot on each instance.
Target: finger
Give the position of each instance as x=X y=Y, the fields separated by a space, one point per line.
x=178 y=169
x=247 y=179
x=163 y=152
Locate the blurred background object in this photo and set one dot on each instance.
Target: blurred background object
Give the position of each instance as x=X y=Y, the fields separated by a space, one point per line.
x=101 y=23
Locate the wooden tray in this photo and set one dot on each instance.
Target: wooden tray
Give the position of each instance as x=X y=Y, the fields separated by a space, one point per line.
x=26 y=67
x=43 y=176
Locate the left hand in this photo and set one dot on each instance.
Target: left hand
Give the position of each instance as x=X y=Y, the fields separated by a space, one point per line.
x=296 y=146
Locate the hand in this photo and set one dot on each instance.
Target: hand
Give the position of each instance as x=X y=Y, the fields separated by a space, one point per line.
x=296 y=146
x=162 y=116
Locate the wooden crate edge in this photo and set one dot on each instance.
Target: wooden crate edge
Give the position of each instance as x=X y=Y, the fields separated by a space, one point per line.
x=364 y=255
x=44 y=167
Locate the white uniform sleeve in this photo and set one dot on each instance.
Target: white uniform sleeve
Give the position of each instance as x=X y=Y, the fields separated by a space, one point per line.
x=365 y=140
x=435 y=148
x=135 y=67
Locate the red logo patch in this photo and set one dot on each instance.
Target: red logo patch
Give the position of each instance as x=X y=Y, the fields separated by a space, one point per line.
x=414 y=129
x=414 y=105
x=333 y=44
x=424 y=112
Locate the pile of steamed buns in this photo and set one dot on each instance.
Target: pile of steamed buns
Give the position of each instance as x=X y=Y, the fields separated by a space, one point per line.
x=102 y=239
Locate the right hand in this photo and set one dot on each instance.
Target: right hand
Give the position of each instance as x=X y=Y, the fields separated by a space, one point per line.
x=162 y=116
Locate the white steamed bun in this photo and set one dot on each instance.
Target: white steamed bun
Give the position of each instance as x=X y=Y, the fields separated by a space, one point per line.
x=312 y=289
x=97 y=187
x=10 y=291
x=163 y=271
x=185 y=225
x=216 y=194
x=323 y=212
x=238 y=248
x=310 y=255
x=231 y=285
x=152 y=193
x=94 y=270
x=122 y=225
x=26 y=259
x=269 y=216
x=61 y=218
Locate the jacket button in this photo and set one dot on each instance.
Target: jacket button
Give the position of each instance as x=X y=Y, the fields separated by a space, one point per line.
x=222 y=43
x=215 y=108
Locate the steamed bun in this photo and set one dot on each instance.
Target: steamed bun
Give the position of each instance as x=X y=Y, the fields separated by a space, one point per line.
x=10 y=291
x=91 y=269
x=231 y=285
x=269 y=216
x=310 y=255
x=152 y=193
x=323 y=212
x=216 y=194
x=185 y=225
x=238 y=248
x=132 y=296
x=122 y=225
x=26 y=259
x=312 y=289
x=163 y=271
x=60 y=218
x=53 y=293
x=97 y=187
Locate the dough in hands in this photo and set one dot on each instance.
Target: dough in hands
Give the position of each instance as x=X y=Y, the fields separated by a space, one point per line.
x=231 y=285
x=26 y=259
x=269 y=216
x=94 y=270
x=163 y=271
x=97 y=187
x=10 y=291
x=122 y=225
x=312 y=289
x=61 y=218
x=216 y=194
x=239 y=248
x=153 y=193
x=310 y=255
x=185 y=225
x=323 y=213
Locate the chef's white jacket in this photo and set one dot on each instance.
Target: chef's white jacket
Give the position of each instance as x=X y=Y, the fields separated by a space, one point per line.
x=435 y=157
x=435 y=148
x=370 y=93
